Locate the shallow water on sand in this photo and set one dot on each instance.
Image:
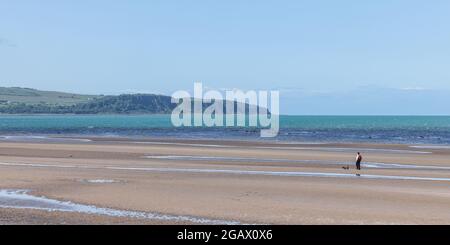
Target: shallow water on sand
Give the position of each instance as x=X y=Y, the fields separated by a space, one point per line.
x=378 y=165
x=44 y=139
x=282 y=173
x=20 y=199
x=237 y=172
x=284 y=147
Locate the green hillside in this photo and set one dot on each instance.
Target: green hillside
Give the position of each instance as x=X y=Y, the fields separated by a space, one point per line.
x=32 y=97
x=32 y=101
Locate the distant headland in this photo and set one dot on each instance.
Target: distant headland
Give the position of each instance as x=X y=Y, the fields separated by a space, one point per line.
x=16 y=100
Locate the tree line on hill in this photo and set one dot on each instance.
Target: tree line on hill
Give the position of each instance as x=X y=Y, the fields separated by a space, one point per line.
x=122 y=104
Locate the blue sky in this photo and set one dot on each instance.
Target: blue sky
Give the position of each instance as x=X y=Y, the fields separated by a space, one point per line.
x=320 y=54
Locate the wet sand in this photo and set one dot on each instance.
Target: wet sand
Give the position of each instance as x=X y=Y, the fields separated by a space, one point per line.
x=194 y=181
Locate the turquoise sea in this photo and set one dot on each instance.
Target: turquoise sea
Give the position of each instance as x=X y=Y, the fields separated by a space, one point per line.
x=376 y=129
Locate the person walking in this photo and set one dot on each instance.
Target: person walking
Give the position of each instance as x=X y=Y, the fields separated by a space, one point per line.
x=359 y=159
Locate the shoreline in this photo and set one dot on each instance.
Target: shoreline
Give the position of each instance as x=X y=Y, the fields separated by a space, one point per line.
x=48 y=138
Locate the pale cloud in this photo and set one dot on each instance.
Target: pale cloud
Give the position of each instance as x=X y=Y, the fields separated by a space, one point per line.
x=414 y=89
x=7 y=43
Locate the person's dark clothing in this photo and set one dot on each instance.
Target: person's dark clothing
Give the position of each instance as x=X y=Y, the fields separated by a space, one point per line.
x=358 y=163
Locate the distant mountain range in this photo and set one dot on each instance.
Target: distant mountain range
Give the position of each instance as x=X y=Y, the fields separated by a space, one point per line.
x=31 y=101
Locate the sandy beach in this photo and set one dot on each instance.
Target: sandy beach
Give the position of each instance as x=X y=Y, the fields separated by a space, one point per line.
x=162 y=181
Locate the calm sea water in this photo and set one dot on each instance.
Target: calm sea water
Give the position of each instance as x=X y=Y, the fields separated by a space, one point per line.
x=377 y=129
